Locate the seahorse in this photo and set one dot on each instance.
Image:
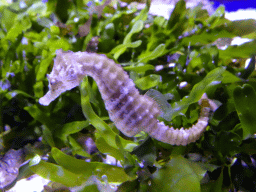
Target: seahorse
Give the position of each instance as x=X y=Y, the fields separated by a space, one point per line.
x=130 y=111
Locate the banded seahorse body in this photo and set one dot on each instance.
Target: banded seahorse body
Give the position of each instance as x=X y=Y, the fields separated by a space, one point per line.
x=130 y=111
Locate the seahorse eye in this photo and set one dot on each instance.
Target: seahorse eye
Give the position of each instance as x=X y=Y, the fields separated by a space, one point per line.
x=53 y=82
x=71 y=75
x=130 y=111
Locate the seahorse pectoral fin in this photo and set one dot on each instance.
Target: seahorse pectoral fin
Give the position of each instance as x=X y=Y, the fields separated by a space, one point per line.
x=162 y=103
x=185 y=136
x=130 y=111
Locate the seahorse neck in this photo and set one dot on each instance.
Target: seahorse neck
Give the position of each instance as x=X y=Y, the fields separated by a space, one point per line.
x=130 y=111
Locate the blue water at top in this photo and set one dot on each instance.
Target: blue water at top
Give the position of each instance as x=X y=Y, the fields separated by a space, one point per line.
x=234 y=5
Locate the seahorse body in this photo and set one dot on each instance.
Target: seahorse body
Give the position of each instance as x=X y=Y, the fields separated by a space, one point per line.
x=130 y=111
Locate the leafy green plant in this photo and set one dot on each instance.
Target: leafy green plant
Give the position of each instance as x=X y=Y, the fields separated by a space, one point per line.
x=76 y=125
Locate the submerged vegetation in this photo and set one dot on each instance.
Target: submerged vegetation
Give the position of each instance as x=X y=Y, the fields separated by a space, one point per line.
x=71 y=141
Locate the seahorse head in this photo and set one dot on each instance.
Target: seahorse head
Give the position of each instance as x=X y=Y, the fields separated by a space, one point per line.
x=65 y=75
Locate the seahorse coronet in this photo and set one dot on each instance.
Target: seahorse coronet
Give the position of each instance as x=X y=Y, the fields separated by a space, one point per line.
x=130 y=111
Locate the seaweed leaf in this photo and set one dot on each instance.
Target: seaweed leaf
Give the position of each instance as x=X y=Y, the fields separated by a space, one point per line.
x=127 y=43
x=105 y=136
x=55 y=173
x=180 y=174
x=87 y=169
x=245 y=98
x=209 y=83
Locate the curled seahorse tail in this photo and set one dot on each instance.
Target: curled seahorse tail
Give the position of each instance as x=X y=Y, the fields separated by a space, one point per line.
x=130 y=111
x=183 y=136
x=178 y=136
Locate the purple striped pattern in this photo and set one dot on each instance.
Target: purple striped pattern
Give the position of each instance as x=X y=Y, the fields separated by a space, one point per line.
x=130 y=111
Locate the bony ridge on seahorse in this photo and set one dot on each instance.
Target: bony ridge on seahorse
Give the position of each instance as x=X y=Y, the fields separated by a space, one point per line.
x=130 y=111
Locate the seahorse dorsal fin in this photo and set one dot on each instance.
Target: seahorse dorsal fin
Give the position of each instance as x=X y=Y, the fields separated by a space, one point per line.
x=162 y=102
x=130 y=111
